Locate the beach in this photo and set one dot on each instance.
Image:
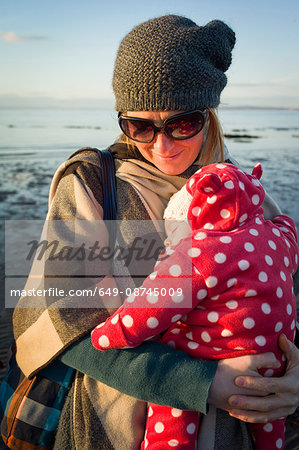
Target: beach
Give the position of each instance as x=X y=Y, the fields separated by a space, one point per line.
x=35 y=142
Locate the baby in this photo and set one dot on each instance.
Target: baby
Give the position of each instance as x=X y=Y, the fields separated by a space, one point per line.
x=223 y=289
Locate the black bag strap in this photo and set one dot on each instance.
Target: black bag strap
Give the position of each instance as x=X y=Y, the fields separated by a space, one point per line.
x=109 y=185
x=109 y=194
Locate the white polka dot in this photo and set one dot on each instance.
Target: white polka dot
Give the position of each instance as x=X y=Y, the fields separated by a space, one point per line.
x=176 y=318
x=189 y=335
x=283 y=276
x=195 y=270
x=212 y=200
x=266 y=308
x=215 y=297
x=191 y=182
x=213 y=316
x=100 y=325
x=229 y=184
x=153 y=275
x=175 y=270
x=208 y=226
x=287 y=223
x=241 y=185
x=193 y=345
x=205 y=336
x=279 y=292
x=258 y=221
x=224 y=213
x=278 y=326
x=231 y=282
x=276 y=231
x=248 y=323
x=211 y=281
x=225 y=239
x=220 y=258
x=287 y=242
x=296 y=259
x=243 y=218
x=260 y=340
x=255 y=199
x=243 y=264
x=194 y=252
x=272 y=245
x=191 y=428
x=131 y=298
x=196 y=211
x=104 y=341
x=269 y=260
x=286 y=261
x=226 y=333
x=175 y=331
x=176 y=412
x=253 y=232
x=208 y=189
x=177 y=297
x=114 y=319
x=249 y=247
x=279 y=443
x=263 y=277
x=284 y=229
x=289 y=309
x=250 y=293
x=202 y=293
x=200 y=236
x=220 y=166
x=169 y=251
x=232 y=304
x=173 y=443
x=255 y=182
x=152 y=322
x=269 y=373
x=293 y=324
x=159 y=427
x=217 y=349
x=145 y=443
x=268 y=427
x=127 y=321
x=152 y=297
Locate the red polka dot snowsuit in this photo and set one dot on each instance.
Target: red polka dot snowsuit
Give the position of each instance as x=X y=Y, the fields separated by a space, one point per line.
x=239 y=269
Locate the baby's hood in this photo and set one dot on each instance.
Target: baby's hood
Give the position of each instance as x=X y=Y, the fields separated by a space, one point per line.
x=224 y=197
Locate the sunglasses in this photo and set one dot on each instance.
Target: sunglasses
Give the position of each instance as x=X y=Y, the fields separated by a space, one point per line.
x=179 y=127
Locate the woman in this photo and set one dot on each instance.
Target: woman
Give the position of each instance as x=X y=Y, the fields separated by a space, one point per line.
x=164 y=67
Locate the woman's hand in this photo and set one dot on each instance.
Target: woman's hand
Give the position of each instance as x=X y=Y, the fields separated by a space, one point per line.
x=282 y=394
x=257 y=398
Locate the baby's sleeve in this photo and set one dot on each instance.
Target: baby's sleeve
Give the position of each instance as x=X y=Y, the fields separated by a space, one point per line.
x=165 y=296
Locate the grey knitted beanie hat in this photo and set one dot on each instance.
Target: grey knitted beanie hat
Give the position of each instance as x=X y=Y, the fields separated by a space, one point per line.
x=170 y=63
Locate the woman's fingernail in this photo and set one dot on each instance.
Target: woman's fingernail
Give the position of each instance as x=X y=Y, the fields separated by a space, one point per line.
x=240 y=381
x=233 y=401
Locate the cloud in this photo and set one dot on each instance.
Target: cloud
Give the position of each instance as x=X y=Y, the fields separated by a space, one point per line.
x=11 y=36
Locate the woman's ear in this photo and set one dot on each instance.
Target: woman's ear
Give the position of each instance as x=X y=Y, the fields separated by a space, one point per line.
x=257 y=171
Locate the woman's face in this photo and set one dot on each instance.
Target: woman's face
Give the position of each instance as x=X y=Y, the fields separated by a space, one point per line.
x=170 y=156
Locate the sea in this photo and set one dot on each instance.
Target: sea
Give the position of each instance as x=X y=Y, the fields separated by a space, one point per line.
x=35 y=141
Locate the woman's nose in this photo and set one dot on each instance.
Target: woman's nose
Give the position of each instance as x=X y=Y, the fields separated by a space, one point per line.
x=162 y=142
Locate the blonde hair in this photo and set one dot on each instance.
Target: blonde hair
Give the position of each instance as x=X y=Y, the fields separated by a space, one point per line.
x=213 y=147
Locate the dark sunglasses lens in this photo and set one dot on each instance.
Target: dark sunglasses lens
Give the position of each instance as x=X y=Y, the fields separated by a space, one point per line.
x=138 y=130
x=185 y=126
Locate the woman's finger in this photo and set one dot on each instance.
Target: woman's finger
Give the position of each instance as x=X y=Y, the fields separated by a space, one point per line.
x=258 y=417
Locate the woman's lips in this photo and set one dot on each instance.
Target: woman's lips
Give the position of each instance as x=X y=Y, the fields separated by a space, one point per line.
x=166 y=157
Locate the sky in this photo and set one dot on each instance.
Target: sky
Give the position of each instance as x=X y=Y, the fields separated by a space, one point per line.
x=61 y=52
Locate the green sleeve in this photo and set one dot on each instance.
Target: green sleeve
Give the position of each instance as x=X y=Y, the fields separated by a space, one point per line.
x=151 y=372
